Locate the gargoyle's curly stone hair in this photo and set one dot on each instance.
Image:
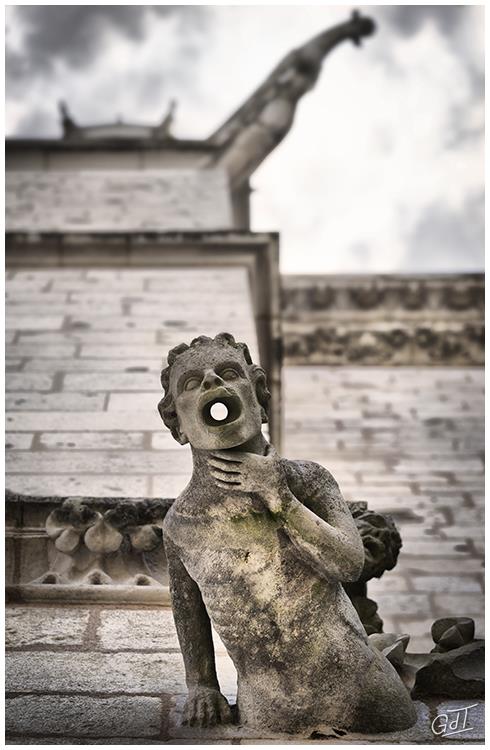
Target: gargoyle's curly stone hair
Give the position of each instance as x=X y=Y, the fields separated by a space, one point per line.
x=166 y=406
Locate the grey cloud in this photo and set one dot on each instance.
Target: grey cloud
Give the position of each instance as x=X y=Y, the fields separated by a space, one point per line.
x=74 y=34
x=446 y=240
x=409 y=19
x=39 y=123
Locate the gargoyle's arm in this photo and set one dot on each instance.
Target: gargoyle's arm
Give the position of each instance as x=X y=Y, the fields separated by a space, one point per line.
x=322 y=529
x=192 y=623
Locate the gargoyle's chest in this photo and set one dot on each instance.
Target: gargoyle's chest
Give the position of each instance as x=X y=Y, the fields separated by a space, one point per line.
x=236 y=539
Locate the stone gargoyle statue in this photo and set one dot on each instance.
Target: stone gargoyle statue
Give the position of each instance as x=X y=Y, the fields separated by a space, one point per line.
x=259 y=546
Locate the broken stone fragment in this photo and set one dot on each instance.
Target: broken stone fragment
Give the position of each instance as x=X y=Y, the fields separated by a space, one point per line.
x=392 y=646
x=452 y=632
x=459 y=673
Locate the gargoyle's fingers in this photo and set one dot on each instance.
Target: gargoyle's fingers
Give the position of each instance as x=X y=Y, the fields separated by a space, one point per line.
x=225 y=477
x=216 y=463
x=236 y=457
x=227 y=485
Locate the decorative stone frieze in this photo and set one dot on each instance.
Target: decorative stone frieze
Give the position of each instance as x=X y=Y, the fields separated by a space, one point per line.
x=383 y=320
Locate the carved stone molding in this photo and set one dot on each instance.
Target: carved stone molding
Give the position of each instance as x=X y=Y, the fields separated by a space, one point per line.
x=86 y=549
x=384 y=320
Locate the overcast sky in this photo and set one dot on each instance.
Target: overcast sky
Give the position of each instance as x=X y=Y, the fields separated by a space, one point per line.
x=383 y=169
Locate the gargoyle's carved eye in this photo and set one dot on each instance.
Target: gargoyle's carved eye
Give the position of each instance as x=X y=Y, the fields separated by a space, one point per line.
x=230 y=374
x=191 y=384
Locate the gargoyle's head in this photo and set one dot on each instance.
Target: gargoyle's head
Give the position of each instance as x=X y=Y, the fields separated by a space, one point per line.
x=215 y=397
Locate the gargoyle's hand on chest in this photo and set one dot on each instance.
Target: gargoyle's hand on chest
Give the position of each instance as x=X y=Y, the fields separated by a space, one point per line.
x=249 y=472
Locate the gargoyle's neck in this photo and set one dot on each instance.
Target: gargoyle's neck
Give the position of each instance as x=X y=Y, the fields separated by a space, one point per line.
x=258 y=444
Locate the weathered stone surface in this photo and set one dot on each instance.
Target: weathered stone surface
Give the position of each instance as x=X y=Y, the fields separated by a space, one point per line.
x=85 y=484
x=91 y=440
x=120 y=200
x=98 y=462
x=452 y=632
x=145 y=629
x=459 y=673
x=28 y=401
x=265 y=543
x=94 y=672
x=33 y=626
x=18 y=440
x=26 y=381
x=83 y=716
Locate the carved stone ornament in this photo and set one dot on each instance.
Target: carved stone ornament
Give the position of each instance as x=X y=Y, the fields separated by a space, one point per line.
x=382 y=544
x=260 y=547
x=97 y=547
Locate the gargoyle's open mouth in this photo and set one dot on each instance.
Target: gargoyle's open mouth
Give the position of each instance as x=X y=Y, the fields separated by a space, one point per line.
x=221 y=410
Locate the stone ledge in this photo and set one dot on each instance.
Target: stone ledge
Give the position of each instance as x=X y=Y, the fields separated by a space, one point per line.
x=146 y=720
x=384 y=320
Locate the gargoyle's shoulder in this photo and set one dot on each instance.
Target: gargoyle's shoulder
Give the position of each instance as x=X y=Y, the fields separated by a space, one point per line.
x=302 y=475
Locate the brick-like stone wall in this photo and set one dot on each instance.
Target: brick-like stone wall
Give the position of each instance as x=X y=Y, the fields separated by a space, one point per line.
x=384 y=320
x=124 y=200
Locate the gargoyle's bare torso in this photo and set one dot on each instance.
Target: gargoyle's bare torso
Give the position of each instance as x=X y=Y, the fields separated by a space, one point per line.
x=292 y=633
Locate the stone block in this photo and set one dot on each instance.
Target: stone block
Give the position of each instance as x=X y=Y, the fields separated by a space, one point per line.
x=14 y=322
x=449 y=565
x=162 y=440
x=61 y=441
x=444 y=583
x=403 y=604
x=459 y=605
x=111 y=381
x=167 y=485
x=99 y=462
x=76 y=672
x=68 y=484
x=18 y=440
x=430 y=549
x=54 y=401
x=85 y=336
x=17 y=297
x=97 y=366
x=140 y=402
x=25 y=381
x=80 y=421
x=389 y=583
x=132 y=352
x=13 y=365
x=83 y=716
x=34 y=626
x=144 y=629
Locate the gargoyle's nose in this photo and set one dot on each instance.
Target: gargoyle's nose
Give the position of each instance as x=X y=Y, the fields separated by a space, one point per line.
x=211 y=380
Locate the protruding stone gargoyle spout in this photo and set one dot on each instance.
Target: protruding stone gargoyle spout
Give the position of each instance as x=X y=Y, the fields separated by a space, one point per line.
x=257 y=127
x=259 y=546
